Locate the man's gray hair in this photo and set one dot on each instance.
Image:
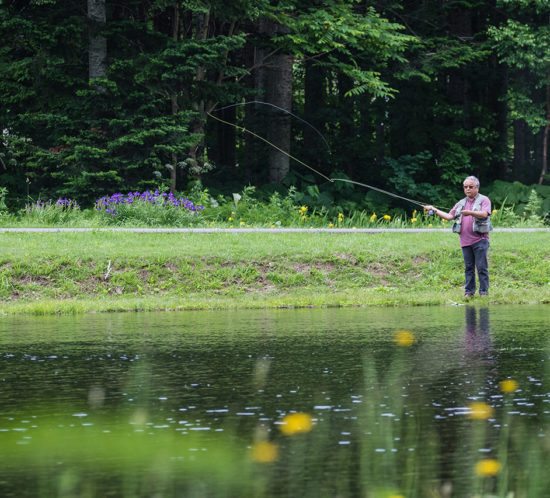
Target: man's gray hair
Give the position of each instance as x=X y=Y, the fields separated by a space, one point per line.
x=472 y=179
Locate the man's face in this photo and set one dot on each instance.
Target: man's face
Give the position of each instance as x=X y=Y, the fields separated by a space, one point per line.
x=470 y=189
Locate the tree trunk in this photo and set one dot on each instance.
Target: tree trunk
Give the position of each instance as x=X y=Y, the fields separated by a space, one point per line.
x=174 y=99
x=279 y=93
x=520 y=149
x=314 y=101
x=499 y=107
x=346 y=132
x=224 y=153
x=196 y=152
x=97 y=50
x=458 y=87
x=275 y=76
x=254 y=157
x=544 y=169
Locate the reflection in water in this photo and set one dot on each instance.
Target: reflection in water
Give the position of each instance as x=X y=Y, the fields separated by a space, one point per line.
x=477 y=335
x=200 y=404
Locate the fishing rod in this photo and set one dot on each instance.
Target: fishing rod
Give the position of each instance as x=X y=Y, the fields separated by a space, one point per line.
x=311 y=168
x=382 y=191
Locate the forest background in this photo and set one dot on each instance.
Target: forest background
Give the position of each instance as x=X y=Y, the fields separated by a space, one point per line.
x=100 y=97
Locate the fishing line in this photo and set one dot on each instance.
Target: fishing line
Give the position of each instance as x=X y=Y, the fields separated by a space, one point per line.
x=332 y=180
x=269 y=143
x=280 y=109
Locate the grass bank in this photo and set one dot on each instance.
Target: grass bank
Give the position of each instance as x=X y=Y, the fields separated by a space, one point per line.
x=43 y=273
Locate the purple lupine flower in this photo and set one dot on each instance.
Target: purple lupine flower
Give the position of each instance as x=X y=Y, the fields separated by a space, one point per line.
x=108 y=203
x=63 y=202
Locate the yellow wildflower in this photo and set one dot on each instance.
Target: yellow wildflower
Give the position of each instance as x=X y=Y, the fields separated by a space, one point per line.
x=404 y=338
x=488 y=467
x=264 y=452
x=230 y=218
x=331 y=225
x=508 y=386
x=303 y=210
x=340 y=217
x=296 y=423
x=413 y=220
x=415 y=212
x=373 y=217
x=494 y=211
x=387 y=217
x=480 y=410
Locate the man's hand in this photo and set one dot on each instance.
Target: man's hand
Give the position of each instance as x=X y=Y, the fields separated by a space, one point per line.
x=475 y=214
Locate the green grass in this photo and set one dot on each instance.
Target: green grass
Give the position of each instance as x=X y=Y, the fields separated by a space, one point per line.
x=109 y=271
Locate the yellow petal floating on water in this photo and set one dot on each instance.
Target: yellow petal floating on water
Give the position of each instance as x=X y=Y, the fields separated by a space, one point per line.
x=509 y=386
x=296 y=423
x=480 y=410
x=404 y=338
x=265 y=452
x=488 y=467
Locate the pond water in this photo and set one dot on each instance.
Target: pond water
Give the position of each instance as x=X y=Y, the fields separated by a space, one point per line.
x=288 y=403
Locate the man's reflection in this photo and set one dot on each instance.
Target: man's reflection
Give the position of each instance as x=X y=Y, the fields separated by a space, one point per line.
x=477 y=336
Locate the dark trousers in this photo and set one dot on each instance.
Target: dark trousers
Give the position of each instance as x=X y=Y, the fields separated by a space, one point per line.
x=475 y=258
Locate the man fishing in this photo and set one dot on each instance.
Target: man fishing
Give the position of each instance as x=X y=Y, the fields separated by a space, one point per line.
x=472 y=213
x=471 y=217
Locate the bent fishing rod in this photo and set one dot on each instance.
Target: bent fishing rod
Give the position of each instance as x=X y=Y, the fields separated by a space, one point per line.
x=294 y=158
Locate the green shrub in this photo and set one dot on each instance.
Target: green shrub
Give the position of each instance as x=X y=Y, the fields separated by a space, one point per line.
x=61 y=212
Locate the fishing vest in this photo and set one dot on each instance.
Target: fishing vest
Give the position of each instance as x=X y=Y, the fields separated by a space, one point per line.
x=480 y=225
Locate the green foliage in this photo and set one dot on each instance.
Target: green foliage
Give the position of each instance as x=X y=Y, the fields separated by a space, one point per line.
x=533 y=209
x=523 y=44
x=531 y=216
x=406 y=97
x=3 y=205
x=145 y=214
x=449 y=53
x=129 y=129
x=350 y=41
x=406 y=174
x=416 y=176
x=53 y=214
x=516 y=206
x=519 y=195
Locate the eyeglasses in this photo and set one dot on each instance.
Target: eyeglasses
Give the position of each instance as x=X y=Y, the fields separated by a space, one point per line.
x=469 y=186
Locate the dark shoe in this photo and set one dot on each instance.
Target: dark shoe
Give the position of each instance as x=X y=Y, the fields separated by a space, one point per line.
x=468 y=296
x=484 y=294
